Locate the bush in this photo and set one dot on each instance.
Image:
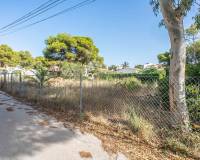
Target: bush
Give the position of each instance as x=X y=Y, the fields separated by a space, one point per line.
x=115 y=76
x=193 y=102
x=70 y=70
x=131 y=83
x=192 y=97
x=184 y=143
x=161 y=73
x=176 y=146
x=140 y=126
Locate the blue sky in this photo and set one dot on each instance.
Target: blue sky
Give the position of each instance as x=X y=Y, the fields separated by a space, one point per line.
x=122 y=30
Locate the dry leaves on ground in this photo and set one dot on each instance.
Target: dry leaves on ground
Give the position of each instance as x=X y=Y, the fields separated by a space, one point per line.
x=85 y=154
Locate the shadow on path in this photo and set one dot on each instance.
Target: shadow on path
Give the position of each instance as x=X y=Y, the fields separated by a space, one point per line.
x=22 y=134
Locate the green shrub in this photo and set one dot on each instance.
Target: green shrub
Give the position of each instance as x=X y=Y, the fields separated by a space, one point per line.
x=131 y=83
x=193 y=102
x=161 y=73
x=70 y=70
x=192 y=97
x=144 y=77
x=184 y=143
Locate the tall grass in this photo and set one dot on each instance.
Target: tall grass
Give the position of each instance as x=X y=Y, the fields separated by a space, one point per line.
x=130 y=104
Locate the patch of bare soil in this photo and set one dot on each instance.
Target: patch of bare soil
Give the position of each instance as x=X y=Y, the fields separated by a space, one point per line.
x=53 y=127
x=43 y=123
x=9 y=109
x=85 y=154
x=114 y=138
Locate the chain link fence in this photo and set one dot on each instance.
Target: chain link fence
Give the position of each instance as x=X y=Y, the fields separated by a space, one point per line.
x=148 y=97
x=137 y=102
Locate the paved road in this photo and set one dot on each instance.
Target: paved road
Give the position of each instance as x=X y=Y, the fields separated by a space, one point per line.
x=28 y=135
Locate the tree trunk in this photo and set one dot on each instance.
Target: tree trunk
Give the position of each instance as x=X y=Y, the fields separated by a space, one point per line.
x=174 y=25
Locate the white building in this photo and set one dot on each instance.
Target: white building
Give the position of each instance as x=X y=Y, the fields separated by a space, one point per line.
x=128 y=70
x=151 y=65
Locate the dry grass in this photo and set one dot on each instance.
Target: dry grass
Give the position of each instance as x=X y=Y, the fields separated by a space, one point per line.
x=108 y=116
x=140 y=126
x=43 y=123
x=114 y=138
x=187 y=144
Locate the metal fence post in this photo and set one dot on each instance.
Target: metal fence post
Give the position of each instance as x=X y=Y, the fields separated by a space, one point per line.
x=81 y=92
x=4 y=81
x=11 y=81
x=20 y=82
x=1 y=80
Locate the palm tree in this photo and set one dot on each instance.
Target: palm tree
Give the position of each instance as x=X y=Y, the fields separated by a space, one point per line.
x=41 y=76
x=125 y=65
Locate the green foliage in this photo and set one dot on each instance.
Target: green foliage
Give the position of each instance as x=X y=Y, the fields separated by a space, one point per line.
x=112 y=68
x=164 y=58
x=191 y=33
x=192 y=60
x=144 y=78
x=161 y=73
x=26 y=59
x=192 y=97
x=184 y=143
x=125 y=65
x=193 y=53
x=73 y=49
x=180 y=7
x=176 y=146
x=193 y=102
x=9 y=57
x=41 y=61
x=131 y=83
x=41 y=76
x=139 y=66
x=70 y=70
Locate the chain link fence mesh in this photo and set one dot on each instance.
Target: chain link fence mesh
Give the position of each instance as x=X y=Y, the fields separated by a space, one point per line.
x=128 y=102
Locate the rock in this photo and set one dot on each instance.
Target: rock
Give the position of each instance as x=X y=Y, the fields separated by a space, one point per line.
x=121 y=157
x=10 y=109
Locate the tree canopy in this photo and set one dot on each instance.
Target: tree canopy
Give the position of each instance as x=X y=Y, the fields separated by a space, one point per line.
x=173 y=13
x=180 y=8
x=9 y=57
x=72 y=49
x=192 y=59
x=193 y=53
x=125 y=65
x=164 y=58
x=191 y=33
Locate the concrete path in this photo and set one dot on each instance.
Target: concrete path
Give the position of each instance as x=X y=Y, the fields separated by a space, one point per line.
x=26 y=134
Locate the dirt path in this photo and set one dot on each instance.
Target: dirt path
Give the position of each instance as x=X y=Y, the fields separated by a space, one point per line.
x=26 y=134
